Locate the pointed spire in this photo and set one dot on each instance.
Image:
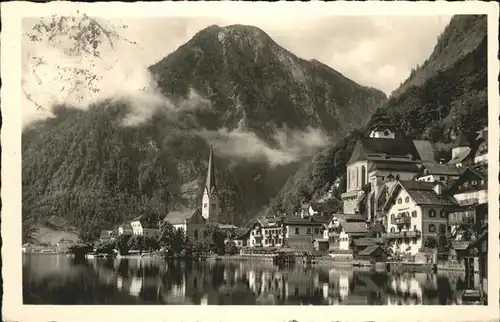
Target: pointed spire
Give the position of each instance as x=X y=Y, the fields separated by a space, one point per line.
x=210 y=184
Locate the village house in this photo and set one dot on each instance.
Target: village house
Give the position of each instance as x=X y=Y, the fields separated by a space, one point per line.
x=444 y=173
x=471 y=193
x=481 y=154
x=360 y=244
x=375 y=253
x=144 y=226
x=191 y=222
x=266 y=232
x=414 y=211
x=125 y=229
x=461 y=150
x=302 y=233
x=332 y=228
x=106 y=235
x=350 y=231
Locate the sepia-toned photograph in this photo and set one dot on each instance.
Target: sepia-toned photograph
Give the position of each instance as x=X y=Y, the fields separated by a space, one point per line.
x=228 y=159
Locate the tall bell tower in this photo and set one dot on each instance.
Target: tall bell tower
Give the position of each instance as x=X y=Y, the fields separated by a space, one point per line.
x=210 y=201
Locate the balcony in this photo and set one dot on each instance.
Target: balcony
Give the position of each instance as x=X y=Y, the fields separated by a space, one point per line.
x=403 y=220
x=402 y=234
x=462 y=217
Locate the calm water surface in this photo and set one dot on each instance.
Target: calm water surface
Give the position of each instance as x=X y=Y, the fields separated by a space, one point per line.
x=57 y=279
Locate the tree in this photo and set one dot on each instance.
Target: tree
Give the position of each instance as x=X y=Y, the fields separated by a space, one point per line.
x=231 y=248
x=105 y=248
x=165 y=235
x=178 y=241
x=216 y=239
x=430 y=242
x=137 y=242
x=121 y=243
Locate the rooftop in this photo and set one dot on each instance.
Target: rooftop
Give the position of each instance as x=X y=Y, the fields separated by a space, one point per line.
x=296 y=220
x=384 y=149
x=367 y=241
x=180 y=216
x=423 y=193
x=395 y=166
x=370 y=250
x=443 y=169
x=355 y=227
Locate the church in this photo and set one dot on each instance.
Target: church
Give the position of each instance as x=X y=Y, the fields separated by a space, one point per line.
x=195 y=222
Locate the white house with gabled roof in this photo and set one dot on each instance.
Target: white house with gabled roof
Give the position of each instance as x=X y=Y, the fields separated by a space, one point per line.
x=414 y=211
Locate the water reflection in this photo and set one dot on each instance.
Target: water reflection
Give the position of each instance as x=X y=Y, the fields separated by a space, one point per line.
x=55 y=279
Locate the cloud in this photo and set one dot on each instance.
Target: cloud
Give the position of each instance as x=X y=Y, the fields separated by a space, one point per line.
x=66 y=70
x=288 y=146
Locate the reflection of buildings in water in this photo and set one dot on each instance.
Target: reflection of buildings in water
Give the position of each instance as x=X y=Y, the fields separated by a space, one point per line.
x=179 y=290
x=237 y=274
x=252 y=281
x=119 y=283
x=407 y=290
x=135 y=286
x=343 y=286
x=325 y=289
x=300 y=284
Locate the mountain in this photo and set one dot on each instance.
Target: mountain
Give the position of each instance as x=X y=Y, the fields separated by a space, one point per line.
x=254 y=84
x=84 y=168
x=446 y=95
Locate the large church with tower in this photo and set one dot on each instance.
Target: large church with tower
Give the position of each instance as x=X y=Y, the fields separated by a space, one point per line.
x=195 y=221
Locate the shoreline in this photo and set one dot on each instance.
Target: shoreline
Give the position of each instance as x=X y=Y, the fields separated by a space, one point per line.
x=320 y=262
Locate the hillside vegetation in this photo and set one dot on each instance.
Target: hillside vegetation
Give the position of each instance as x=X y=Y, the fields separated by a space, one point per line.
x=447 y=94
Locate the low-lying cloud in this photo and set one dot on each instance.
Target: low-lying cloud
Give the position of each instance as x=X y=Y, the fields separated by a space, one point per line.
x=60 y=67
x=288 y=146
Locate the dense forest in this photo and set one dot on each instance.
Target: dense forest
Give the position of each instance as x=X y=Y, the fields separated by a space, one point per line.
x=85 y=168
x=450 y=96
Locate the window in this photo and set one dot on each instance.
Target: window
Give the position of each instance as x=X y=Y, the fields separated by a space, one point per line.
x=397 y=177
x=442 y=228
x=432 y=213
x=308 y=231
x=400 y=201
x=449 y=229
x=316 y=230
x=363 y=175
x=414 y=213
x=407 y=199
x=432 y=228
x=414 y=241
x=195 y=234
x=205 y=205
x=296 y=230
x=442 y=213
x=442 y=178
x=415 y=227
x=392 y=229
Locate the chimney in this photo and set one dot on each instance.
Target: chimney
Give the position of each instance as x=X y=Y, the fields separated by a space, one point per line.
x=438 y=188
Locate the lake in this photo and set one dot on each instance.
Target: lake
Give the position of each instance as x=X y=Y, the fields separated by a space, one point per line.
x=57 y=279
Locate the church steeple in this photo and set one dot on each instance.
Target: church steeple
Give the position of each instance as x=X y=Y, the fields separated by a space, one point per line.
x=210 y=183
x=210 y=200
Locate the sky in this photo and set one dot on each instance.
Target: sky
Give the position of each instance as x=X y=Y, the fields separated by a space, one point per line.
x=376 y=51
